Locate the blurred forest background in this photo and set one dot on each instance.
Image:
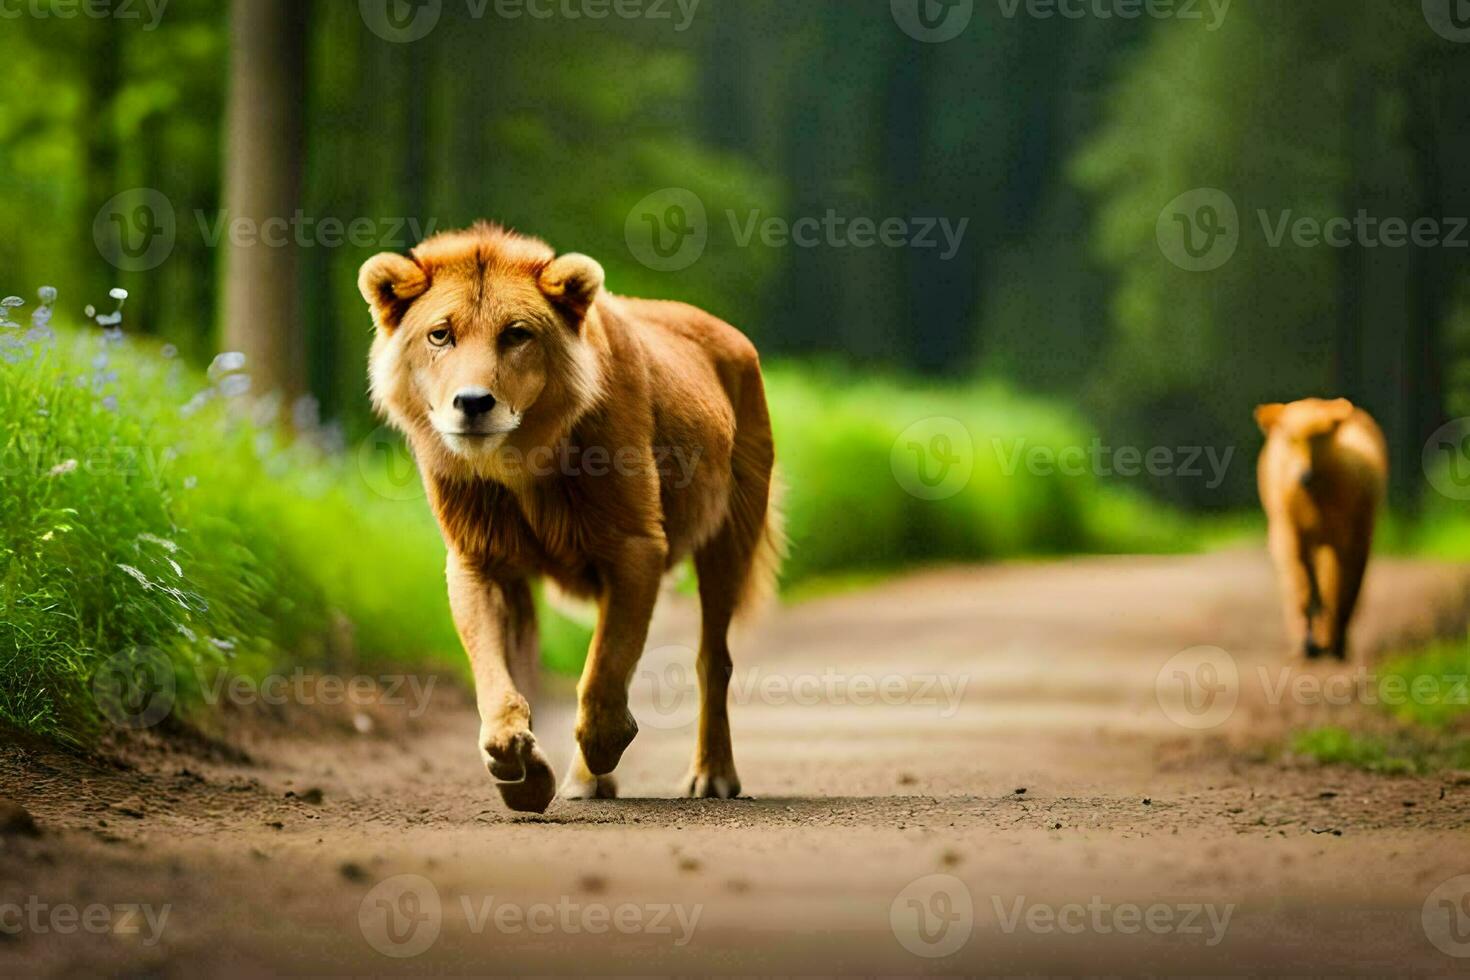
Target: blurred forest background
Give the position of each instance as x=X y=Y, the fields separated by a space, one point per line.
x=1047 y=159
x=1060 y=140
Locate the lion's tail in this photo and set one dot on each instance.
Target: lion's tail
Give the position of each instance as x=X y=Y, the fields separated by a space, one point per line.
x=759 y=590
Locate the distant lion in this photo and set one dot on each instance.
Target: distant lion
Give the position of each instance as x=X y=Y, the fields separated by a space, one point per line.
x=546 y=416
x=1323 y=475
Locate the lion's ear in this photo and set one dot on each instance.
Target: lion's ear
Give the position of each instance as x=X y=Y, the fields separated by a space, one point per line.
x=1268 y=415
x=390 y=283
x=573 y=282
x=1340 y=410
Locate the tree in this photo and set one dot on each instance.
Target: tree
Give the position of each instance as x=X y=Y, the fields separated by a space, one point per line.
x=264 y=159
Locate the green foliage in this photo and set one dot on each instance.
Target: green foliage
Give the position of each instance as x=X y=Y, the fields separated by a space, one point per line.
x=1313 y=110
x=838 y=449
x=129 y=521
x=1423 y=716
x=1395 y=753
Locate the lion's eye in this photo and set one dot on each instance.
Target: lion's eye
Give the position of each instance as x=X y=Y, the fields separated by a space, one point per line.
x=441 y=337
x=515 y=335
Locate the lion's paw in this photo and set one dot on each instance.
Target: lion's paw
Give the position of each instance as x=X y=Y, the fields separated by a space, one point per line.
x=712 y=784
x=589 y=787
x=603 y=735
x=522 y=773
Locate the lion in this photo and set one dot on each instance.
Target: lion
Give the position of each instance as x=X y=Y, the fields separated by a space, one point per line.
x=1323 y=475
x=543 y=411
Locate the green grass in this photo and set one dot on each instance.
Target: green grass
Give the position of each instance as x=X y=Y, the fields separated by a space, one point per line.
x=1420 y=723
x=197 y=535
x=840 y=451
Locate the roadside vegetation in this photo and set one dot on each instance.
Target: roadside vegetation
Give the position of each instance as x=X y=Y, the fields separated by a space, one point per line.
x=1421 y=723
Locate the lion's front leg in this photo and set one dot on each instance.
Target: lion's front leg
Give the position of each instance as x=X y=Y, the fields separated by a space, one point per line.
x=605 y=726
x=488 y=616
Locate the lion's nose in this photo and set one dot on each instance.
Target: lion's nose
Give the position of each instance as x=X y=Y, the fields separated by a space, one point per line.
x=474 y=401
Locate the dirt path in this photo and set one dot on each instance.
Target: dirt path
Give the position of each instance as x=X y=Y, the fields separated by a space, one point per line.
x=885 y=738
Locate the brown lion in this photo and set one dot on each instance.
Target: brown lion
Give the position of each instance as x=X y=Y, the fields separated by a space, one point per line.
x=1323 y=475
x=543 y=412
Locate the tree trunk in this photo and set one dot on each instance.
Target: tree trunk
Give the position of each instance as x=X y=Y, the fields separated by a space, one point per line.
x=263 y=187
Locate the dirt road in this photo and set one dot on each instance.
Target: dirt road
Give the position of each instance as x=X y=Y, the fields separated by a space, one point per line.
x=1029 y=768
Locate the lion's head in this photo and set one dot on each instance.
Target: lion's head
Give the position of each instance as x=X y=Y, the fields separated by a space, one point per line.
x=481 y=343
x=1307 y=429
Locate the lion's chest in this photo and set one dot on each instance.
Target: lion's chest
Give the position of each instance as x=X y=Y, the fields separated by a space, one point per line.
x=510 y=538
